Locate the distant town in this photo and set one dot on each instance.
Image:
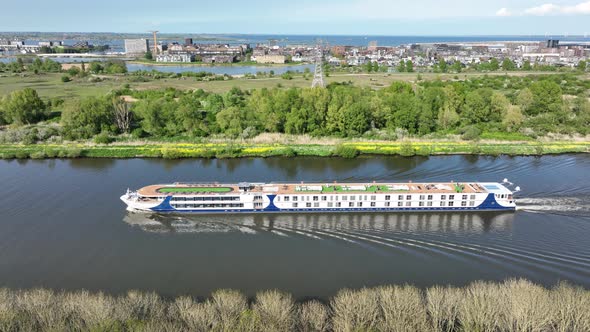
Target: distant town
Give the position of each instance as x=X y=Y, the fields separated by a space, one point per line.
x=403 y=58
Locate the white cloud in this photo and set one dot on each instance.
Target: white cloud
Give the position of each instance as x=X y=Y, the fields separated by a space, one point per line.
x=504 y=12
x=553 y=9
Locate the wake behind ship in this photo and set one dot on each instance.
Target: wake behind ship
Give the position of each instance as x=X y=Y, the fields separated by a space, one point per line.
x=320 y=197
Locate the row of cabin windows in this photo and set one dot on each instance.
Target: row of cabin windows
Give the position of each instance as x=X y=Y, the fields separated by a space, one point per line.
x=208 y=199
x=208 y=206
x=387 y=204
x=366 y=198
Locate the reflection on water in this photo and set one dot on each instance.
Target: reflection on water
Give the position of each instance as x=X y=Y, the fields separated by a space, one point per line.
x=414 y=223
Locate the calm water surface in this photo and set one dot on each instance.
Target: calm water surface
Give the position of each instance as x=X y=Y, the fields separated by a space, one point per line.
x=63 y=226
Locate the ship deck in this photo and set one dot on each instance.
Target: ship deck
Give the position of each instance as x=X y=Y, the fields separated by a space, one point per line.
x=191 y=189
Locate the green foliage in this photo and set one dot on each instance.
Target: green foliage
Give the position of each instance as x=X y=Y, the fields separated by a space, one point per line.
x=87 y=117
x=582 y=65
x=23 y=107
x=346 y=151
x=471 y=133
x=65 y=78
x=103 y=138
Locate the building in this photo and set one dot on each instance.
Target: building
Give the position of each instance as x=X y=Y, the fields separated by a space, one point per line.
x=552 y=43
x=136 y=46
x=188 y=41
x=277 y=59
x=176 y=57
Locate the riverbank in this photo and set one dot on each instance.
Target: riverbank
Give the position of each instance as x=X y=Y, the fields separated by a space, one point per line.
x=515 y=305
x=322 y=148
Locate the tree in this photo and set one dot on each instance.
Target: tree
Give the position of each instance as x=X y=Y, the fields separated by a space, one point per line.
x=508 y=65
x=231 y=121
x=24 y=107
x=457 y=66
x=494 y=64
x=547 y=97
x=477 y=106
x=148 y=55
x=96 y=67
x=499 y=105
x=402 y=66
x=525 y=99
x=513 y=118
x=448 y=116
x=527 y=65
x=582 y=65
x=122 y=114
x=409 y=66
x=88 y=117
x=442 y=65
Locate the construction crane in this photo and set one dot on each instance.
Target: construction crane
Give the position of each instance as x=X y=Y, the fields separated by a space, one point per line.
x=155 y=32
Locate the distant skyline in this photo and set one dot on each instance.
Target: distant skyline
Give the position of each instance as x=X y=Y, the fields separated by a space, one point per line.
x=304 y=17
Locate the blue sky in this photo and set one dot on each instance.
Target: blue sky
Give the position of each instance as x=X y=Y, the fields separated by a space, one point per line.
x=336 y=17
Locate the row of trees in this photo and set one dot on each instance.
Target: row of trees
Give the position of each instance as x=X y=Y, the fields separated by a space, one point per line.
x=470 y=107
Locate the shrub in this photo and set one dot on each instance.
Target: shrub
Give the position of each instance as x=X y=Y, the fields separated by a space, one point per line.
x=65 y=78
x=471 y=133
x=38 y=155
x=407 y=149
x=138 y=133
x=313 y=316
x=289 y=152
x=8 y=155
x=346 y=151
x=169 y=153
x=21 y=154
x=103 y=138
x=73 y=153
x=275 y=310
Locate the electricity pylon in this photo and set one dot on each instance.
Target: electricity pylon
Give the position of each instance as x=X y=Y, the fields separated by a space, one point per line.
x=318 y=77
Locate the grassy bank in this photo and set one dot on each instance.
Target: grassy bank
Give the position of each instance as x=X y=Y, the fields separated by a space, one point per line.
x=346 y=149
x=515 y=305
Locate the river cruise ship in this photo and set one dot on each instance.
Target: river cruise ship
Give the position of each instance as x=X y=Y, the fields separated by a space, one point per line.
x=320 y=197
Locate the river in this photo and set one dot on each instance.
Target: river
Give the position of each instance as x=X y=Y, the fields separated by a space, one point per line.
x=63 y=227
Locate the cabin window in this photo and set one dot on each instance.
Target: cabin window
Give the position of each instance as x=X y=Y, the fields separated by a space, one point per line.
x=324 y=198
x=360 y=204
x=344 y=198
x=429 y=204
x=330 y=204
x=286 y=198
x=472 y=203
x=373 y=204
x=294 y=198
x=373 y=198
x=295 y=205
x=338 y=204
x=430 y=197
x=451 y=197
x=422 y=197
x=464 y=203
x=387 y=204
x=308 y=205
x=408 y=203
x=443 y=203
x=316 y=198
x=472 y=197
x=400 y=198
x=443 y=197
x=451 y=203
x=400 y=203
x=360 y=198
x=464 y=197
x=352 y=198
x=388 y=197
x=316 y=205
x=409 y=197
x=421 y=204
x=350 y=204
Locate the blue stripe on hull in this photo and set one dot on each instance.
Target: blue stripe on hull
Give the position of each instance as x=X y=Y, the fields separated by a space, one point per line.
x=475 y=209
x=490 y=204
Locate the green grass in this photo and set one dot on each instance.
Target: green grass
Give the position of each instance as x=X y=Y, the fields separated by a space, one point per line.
x=195 y=190
x=246 y=150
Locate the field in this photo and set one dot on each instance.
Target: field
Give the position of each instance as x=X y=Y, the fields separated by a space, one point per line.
x=49 y=85
x=515 y=305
